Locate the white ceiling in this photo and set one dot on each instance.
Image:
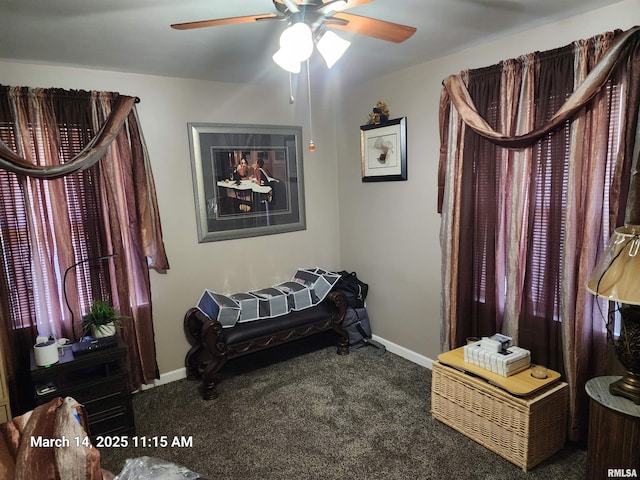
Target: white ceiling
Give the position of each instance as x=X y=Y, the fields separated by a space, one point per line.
x=134 y=35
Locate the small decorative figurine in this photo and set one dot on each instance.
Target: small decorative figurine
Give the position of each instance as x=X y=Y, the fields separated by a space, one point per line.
x=380 y=114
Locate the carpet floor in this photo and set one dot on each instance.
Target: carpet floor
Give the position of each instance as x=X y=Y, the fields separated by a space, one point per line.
x=300 y=411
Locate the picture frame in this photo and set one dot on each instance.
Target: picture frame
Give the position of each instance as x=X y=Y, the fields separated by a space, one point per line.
x=247 y=180
x=384 y=151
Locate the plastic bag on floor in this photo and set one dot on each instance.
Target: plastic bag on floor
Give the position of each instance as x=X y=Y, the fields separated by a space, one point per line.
x=143 y=468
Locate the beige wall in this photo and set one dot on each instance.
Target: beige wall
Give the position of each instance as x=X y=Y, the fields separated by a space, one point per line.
x=389 y=232
x=229 y=266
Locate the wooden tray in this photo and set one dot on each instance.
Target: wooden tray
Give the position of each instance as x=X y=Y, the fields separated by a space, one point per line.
x=521 y=384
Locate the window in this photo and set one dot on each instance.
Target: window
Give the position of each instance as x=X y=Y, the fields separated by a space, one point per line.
x=546 y=200
x=78 y=194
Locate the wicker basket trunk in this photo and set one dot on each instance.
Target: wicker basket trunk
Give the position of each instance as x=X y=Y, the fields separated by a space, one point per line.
x=525 y=431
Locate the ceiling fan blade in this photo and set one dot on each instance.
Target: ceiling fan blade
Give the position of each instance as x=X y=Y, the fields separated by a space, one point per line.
x=223 y=21
x=500 y=4
x=329 y=7
x=355 y=3
x=292 y=6
x=391 y=32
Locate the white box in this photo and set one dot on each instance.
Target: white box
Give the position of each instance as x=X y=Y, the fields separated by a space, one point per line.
x=319 y=281
x=249 y=306
x=474 y=354
x=219 y=307
x=487 y=360
x=514 y=360
x=272 y=302
x=503 y=339
x=298 y=295
x=490 y=344
x=482 y=354
x=494 y=363
x=468 y=351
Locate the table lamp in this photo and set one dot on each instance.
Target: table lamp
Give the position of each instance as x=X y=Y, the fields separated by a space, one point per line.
x=64 y=284
x=617 y=278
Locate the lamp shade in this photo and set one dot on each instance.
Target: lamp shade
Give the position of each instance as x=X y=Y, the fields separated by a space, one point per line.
x=297 y=41
x=617 y=274
x=286 y=61
x=296 y=45
x=332 y=47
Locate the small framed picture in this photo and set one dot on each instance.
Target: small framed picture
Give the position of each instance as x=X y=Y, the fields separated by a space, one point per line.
x=384 y=151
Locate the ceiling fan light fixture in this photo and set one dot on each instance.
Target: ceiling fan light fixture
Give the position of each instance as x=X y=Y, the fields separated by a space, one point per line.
x=297 y=41
x=331 y=7
x=286 y=61
x=332 y=47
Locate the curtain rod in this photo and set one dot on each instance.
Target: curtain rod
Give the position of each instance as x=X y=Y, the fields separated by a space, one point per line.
x=137 y=100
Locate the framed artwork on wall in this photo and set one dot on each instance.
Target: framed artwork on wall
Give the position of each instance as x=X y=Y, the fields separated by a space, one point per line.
x=384 y=151
x=247 y=180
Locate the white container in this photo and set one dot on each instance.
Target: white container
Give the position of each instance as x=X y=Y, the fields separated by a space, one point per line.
x=273 y=302
x=46 y=353
x=298 y=295
x=249 y=308
x=319 y=281
x=219 y=307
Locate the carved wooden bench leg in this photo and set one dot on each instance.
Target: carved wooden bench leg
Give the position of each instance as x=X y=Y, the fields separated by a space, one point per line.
x=337 y=317
x=343 y=345
x=191 y=362
x=192 y=330
x=209 y=391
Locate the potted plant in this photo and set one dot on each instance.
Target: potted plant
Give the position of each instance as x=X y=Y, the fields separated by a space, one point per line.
x=101 y=320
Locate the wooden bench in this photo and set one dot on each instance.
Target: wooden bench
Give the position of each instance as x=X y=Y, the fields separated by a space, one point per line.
x=212 y=345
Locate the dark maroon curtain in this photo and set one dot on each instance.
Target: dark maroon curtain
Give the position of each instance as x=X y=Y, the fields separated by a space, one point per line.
x=538 y=165
x=540 y=329
x=76 y=185
x=478 y=209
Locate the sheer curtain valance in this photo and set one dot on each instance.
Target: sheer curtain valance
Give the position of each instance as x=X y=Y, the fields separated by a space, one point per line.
x=620 y=54
x=94 y=150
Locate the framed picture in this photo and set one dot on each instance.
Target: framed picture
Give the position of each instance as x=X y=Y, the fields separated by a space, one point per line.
x=247 y=180
x=384 y=151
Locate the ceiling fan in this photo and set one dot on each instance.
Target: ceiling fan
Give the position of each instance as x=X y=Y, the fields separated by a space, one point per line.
x=307 y=23
x=318 y=14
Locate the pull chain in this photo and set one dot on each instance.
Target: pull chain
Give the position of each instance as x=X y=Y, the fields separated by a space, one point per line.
x=312 y=147
x=291 y=97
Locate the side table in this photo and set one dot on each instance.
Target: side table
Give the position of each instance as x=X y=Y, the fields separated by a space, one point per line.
x=613 y=447
x=98 y=380
x=524 y=430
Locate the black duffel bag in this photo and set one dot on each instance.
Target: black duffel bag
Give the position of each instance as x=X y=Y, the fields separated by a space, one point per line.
x=356 y=324
x=353 y=288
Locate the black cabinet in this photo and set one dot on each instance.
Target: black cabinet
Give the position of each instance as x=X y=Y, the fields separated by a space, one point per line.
x=98 y=380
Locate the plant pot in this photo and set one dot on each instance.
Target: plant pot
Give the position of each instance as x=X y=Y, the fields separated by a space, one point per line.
x=99 y=331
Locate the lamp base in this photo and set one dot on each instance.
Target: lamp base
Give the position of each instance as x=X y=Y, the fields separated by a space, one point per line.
x=628 y=387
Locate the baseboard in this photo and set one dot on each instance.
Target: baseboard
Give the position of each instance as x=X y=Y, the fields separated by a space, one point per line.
x=168 y=377
x=405 y=353
x=410 y=355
